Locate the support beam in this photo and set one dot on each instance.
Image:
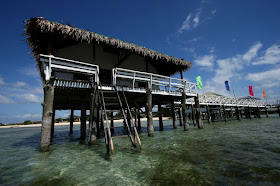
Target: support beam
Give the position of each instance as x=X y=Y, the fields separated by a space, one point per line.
x=198 y=113
x=83 y=120
x=173 y=114
x=180 y=116
x=139 y=121
x=258 y=112
x=112 y=122
x=225 y=113
x=193 y=115
x=184 y=111
x=47 y=116
x=237 y=112
x=149 y=106
x=266 y=112
x=71 y=121
x=160 y=117
x=249 y=113
x=208 y=114
x=92 y=132
x=278 y=108
x=53 y=122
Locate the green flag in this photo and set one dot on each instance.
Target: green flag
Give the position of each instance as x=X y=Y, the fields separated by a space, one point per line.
x=199 y=82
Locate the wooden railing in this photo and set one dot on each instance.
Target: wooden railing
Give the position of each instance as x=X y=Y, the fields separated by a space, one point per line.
x=134 y=79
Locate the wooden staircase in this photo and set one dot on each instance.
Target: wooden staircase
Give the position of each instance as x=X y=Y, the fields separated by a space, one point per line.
x=116 y=100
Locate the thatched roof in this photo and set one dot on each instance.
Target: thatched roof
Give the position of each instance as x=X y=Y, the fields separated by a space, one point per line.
x=39 y=31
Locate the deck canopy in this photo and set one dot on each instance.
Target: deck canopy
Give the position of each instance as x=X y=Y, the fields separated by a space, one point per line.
x=41 y=32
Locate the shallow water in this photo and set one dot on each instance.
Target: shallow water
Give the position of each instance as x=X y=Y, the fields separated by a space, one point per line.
x=232 y=153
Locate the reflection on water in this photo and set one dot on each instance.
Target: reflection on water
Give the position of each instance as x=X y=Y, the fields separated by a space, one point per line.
x=236 y=152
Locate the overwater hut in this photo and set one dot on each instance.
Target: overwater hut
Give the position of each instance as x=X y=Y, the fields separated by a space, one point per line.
x=83 y=70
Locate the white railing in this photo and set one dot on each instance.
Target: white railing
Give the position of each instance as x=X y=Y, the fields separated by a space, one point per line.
x=133 y=79
x=51 y=63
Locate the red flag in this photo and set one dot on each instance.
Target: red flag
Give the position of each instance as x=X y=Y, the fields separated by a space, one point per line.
x=251 y=90
x=264 y=95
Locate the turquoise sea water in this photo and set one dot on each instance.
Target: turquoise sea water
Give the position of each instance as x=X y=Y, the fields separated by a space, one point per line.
x=243 y=152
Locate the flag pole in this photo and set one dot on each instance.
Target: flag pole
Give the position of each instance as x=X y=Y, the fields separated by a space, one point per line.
x=233 y=93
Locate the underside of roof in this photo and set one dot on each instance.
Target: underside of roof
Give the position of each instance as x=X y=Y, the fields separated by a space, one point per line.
x=40 y=32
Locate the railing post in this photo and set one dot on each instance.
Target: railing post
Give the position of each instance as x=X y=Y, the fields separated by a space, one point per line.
x=133 y=83
x=169 y=85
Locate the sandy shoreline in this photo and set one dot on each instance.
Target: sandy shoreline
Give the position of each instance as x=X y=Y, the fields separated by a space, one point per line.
x=75 y=123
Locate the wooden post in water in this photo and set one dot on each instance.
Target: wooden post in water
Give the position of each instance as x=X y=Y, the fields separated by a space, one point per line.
x=266 y=112
x=47 y=115
x=83 y=120
x=184 y=111
x=71 y=121
x=160 y=117
x=112 y=122
x=53 y=122
x=149 y=107
x=208 y=114
x=259 y=112
x=249 y=113
x=278 y=108
x=180 y=116
x=173 y=114
x=92 y=132
x=225 y=113
x=198 y=113
x=139 y=121
x=237 y=111
x=193 y=115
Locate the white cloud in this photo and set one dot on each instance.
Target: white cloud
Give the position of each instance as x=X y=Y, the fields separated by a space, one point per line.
x=195 y=39
x=252 y=52
x=213 y=11
x=30 y=70
x=211 y=49
x=206 y=61
x=233 y=40
x=267 y=79
x=2 y=81
x=19 y=84
x=32 y=98
x=196 y=20
x=271 y=56
x=5 y=100
x=191 y=21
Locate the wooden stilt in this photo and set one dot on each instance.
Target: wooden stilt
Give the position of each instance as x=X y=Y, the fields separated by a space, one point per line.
x=259 y=112
x=225 y=113
x=184 y=111
x=208 y=114
x=160 y=117
x=193 y=115
x=266 y=112
x=149 y=112
x=92 y=132
x=249 y=113
x=278 y=108
x=180 y=116
x=237 y=114
x=96 y=115
x=173 y=114
x=83 y=120
x=112 y=122
x=198 y=113
x=53 y=122
x=71 y=121
x=47 y=116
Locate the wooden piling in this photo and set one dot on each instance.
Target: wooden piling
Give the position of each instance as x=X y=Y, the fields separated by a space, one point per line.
x=112 y=122
x=249 y=113
x=278 y=108
x=47 y=116
x=198 y=113
x=160 y=117
x=266 y=112
x=149 y=107
x=208 y=114
x=92 y=132
x=71 y=121
x=193 y=115
x=53 y=122
x=139 y=121
x=184 y=111
x=237 y=112
x=173 y=114
x=259 y=112
x=83 y=120
x=225 y=113
x=180 y=117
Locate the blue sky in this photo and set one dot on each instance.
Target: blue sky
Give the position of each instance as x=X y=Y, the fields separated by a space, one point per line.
x=238 y=41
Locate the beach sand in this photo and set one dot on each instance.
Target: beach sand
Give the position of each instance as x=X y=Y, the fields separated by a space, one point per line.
x=75 y=123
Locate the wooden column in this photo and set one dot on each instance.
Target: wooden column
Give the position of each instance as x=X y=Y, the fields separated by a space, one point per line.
x=173 y=114
x=160 y=117
x=266 y=112
x=193 y=115
x=112 y=122
x=71 y=121
x=47 y=116
x=237 y=111
x=278 y=108
x=83 y=120
x=225 y=113
x=198 y=113
x=249 y=113
x=96 y=115
x=208 y=114
x=128 y=119
x=53 y=122
x=92 y=132
x=139 y=121
x=259 y=112
x=184 y=111
x=180 y=116
x=149 y=107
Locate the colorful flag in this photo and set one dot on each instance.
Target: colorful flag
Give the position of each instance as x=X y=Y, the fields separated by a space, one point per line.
x=199 y=82
x=264 y=95
x=227 y=85
x=251 y=90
